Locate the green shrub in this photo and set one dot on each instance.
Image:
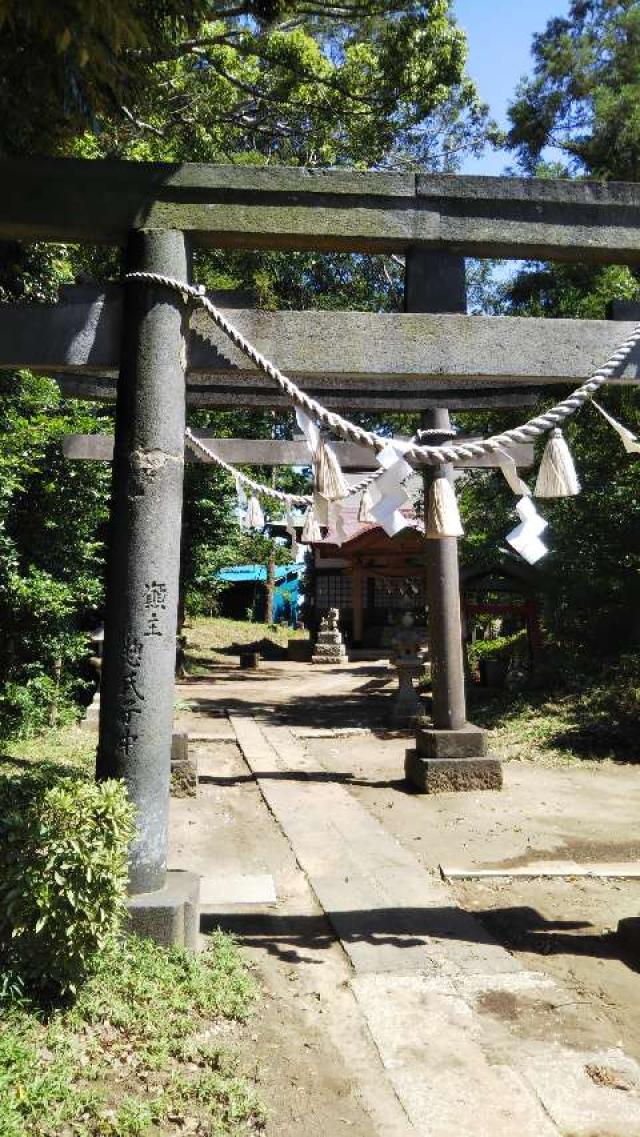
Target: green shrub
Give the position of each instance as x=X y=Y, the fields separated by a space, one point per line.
x=35 y=703
x=63 y=876
x=502 y=647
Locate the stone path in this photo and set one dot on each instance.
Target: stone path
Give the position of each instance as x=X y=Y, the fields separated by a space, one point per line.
x=471 y=1042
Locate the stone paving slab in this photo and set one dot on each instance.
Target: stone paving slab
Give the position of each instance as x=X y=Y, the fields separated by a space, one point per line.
x=236 y=888
x=471 y=1042
x=425 y=1036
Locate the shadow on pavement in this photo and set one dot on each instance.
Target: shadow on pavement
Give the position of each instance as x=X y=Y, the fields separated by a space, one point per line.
x=288 y=936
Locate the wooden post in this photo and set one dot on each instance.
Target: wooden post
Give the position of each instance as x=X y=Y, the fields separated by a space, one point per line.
x=356 y=600
x=452 y=754
x=137 y=692
x=271 y=585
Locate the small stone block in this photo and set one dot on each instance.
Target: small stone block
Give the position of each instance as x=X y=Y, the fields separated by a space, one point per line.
x=179 y=748
x=629 y=934
x=184 y=767
x=467 y=742
x=249 y=660
x=299 y=651
x=171 y=915
x=445 y=775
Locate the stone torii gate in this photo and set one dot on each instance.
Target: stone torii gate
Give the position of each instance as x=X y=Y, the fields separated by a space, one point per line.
x=431 y=358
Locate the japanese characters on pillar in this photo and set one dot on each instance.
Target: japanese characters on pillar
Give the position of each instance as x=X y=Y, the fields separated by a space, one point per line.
x=132 y=695
x=155 y=602
x=144 y=550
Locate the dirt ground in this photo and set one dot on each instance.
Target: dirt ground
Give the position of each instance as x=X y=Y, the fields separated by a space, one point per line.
x=313 y=1058
x=563 y=927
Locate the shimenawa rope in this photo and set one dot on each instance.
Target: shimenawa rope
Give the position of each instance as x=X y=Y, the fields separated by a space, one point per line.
x=426 y=455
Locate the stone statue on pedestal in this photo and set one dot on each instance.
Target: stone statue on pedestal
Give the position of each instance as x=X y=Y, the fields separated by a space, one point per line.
x=329 y=646
x=409 y=649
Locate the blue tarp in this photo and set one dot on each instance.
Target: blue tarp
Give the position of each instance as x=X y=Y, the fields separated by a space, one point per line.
x=246 y=573
x=287 y=581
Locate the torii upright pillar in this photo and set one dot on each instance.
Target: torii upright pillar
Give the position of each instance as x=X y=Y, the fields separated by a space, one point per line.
x=138 y=671
x=451 y=754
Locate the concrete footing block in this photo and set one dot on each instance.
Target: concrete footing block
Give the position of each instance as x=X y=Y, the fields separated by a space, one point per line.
x=444 y=775
x=171 y=915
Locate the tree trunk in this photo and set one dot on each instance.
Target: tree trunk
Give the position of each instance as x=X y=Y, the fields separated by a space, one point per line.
x=271 y=585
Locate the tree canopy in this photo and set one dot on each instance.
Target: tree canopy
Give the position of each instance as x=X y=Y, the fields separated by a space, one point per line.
x=579 y=115
x=583 y=99
x=289 y=80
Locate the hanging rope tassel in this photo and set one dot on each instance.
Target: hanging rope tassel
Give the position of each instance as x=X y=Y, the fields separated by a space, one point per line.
x=557 y=475
x=630 y=441
x=443 y=516
x=330 y=481
x=310 y=530
x=255 y=517
x=364 y=509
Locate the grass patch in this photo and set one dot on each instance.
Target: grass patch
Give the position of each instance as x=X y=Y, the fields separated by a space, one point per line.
x=592 y=717
x=213 y=639
x=65 y=750
x=141 y=1051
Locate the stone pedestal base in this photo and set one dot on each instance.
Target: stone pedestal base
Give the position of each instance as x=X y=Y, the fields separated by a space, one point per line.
x=171 y=915
x=452 y=760
x=407 y=706
x=329 y=651
x=446 y=775
x=467 y=742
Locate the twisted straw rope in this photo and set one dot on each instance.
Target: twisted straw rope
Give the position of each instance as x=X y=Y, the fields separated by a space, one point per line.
x=424 y=455
x=196 y=444
x=199 y=447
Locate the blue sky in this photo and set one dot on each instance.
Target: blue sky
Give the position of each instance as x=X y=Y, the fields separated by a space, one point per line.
x=499 y=33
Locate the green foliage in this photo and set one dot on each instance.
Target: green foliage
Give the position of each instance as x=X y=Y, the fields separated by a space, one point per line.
x=52 y=519
x=582 y=292
x=65 y=64
x=584 y=97
x=573 y=708
x=102 y=1066
x=63 y=875
x=501 y=647
x=367 y=83
x=293 y=82
x=582 y=101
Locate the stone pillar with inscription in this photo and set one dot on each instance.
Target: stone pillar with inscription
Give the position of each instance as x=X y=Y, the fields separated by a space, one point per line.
x=137 y=693
x=451 y=754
